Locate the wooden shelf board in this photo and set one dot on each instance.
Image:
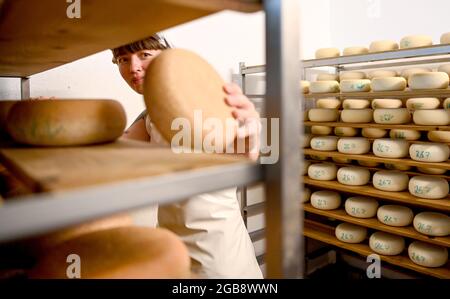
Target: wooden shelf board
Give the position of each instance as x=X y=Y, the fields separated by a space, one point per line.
x=38 y=37
x=380 y=126
x=401 y=197
x=54 y=169
x=438 y=93
x=325 y=234
x=411 y=173
x=407 y=231
x=372 y=158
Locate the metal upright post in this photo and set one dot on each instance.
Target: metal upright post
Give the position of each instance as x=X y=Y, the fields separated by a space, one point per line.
x=284 y=215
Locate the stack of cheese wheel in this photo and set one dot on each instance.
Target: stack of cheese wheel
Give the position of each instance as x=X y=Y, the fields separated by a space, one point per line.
x=429 y=187
x=361 y=206
x=325 y=200
x=427 y=255
x=386 y=244
x=350 y=233
x=125 y=252
x=356 y=111
x=395 y=215
x=66 y=122
x=432 y=224
x=322 y=171
x=353 y=176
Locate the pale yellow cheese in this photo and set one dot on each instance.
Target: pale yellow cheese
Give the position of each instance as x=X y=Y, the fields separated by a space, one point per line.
x=390 y=148
x=429 y=187
x=346 y=131
x=354 y=85
x=382 y=73
x=427 y=255
x=414 y=41
x=355 y=104
x=327 y=77
x=361 y=206
x=321 y=130
x=433 y=117
x=327 y=53
x=322 y=171
x=390 y=180
x=325 y=200
x=357 y=50
x=430 y=80
x=386 y=244
x=352 y=75
x=439 y=136
x=357 y=115
x=432 y=224
x=350 y=233
x=373 y=132
x=395 y=215
x=422 y=103
x=353 y=145
x=404 y=134
x=386 y=103
x=353 y=176
x=429 y=152
x=388 y=84
x=383 y=45
x=392 y=116
x=445 y=38
x=324 y=86
x=324 y=143
x=323 y=115
x=328 y=103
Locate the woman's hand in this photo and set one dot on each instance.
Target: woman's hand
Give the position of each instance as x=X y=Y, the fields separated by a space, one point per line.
x=249 y=121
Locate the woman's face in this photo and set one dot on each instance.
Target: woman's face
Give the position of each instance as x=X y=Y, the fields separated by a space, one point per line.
x=132 y=67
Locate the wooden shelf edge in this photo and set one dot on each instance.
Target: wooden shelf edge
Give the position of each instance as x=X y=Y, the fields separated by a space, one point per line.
x=373 y=223
x=373 y=158
x=319 y=233
x=439 y=93
x=380 y=126
x=401 y=197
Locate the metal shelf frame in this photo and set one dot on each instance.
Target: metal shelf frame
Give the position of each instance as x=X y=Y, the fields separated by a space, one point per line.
x=40 y=213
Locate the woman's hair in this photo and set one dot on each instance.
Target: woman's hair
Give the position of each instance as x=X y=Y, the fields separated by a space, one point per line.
x=154 y=42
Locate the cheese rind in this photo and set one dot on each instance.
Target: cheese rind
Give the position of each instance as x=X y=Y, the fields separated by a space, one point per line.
x=434 y=117
x=390 y=148
x=445 y=38
x=350 y=233
x=390 y=180
x=386 y=244
x=353 y=176
x=429 y=80
x=355 y=51
x=406 y=73
x=423 y=103
x=439 y=136
x=382 y=73
x=428 y=187
x=395 y=215
x=427 y=255
x=350 y=75
x=346 y=131
x=327 y=53
x=373 y=132
x=321 y=130
x=353 y=145
x=354 y=85
x=328 y=103
x=386 y=103
x=392 y=116
x=322 y=171
x=324 y=143
x=325 y=200
x=404 y=134
x=327 y=77
x=383 y=45
x=432 y=224
x=324 y=87
x=355 y=104
x=444 y=68
x=323 y=115
x=429 y=152
x=357 y=115
x=361 y=206
x=414 y=41
x=388 y=84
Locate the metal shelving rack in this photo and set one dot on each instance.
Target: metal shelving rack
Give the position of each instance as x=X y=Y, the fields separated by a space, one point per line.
x=403 y=57
x=30 y=44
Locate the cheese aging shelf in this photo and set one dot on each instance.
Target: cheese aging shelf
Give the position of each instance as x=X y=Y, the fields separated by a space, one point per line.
x=404 y=57
x=36 y=36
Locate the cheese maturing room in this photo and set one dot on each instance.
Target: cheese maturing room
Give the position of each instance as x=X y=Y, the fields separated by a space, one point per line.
x=191 y=141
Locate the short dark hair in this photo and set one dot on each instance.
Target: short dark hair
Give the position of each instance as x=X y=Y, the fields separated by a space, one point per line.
x=154 y=42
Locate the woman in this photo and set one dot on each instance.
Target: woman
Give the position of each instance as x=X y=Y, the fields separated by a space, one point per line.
x=210 y=225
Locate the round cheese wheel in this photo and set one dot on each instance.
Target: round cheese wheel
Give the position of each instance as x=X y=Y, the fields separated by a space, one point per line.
x=394 y=215
x=429 y=170
x=390 y=148
x=321 y=130
x=406 y=73
x=382 y=73
x=306 y=195
x=66 y=122
x=123 y=252
x=327 y=53
x=328 y=103
x=423 y=103
x=386 y=244
x=5 y=106
x=445 y=38
x=353 y=145
x=350 y=75
x=322 y=171
x=342 y=160
x=430 y=80
x=373 y=132
x=350 y=233
x=404 y=134
x=414 y=41
x=355 y=104
x=446 y=104
x=357 y=115
x=180 y=85
x=434 y=117
x=306 y=165
x=429 y=152
x=444 y=68
x=383 y=45
x=386 y=103
x=325 y=200
x=392 y=116
x=429 y=187
x=361 y=206
x=324 y=143
x=323 y=115
x=346 y=131
x=432 y=224
x=427 y=255
x=439 y=136
x=304 y=86
x=390 y=180
x=368 y=163
x=327 y=77
x=324 y=86
x=355 y=51
x=306 y=140
x=397 y=166
x=388 y=84
x=353 y=176
x=355 y=85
